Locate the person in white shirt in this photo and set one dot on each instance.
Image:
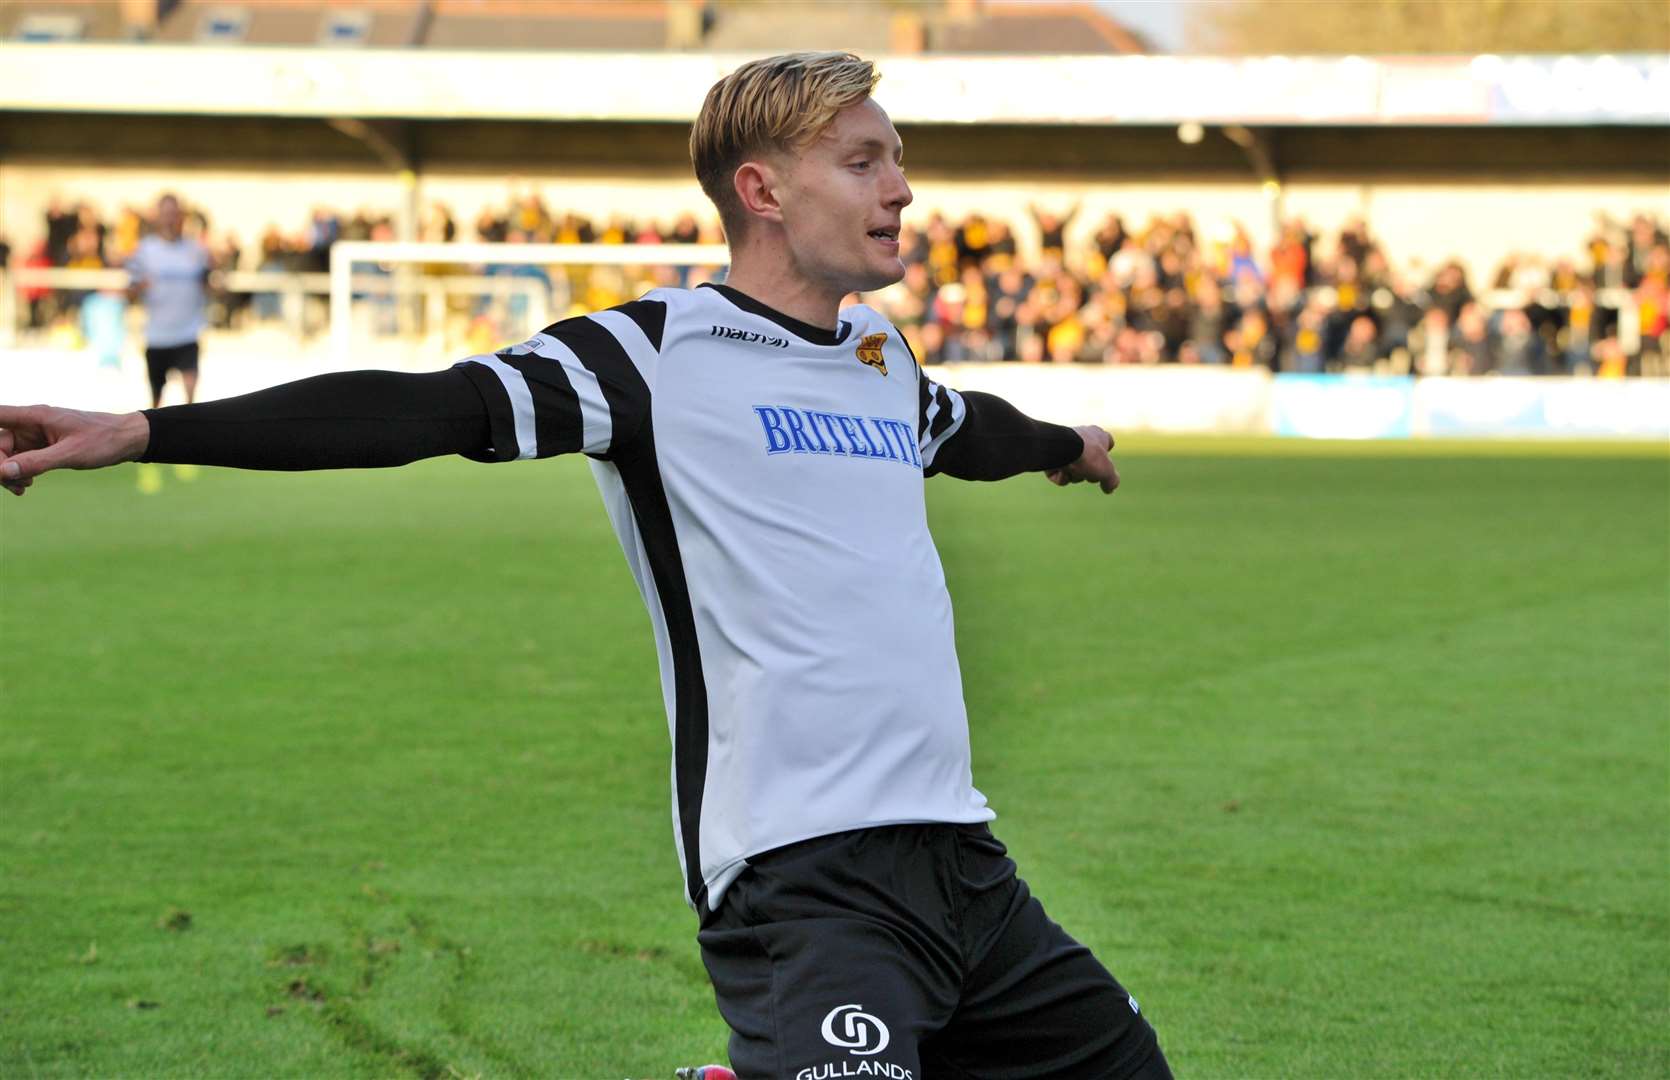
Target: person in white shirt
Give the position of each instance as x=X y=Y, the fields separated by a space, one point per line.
x=169 y=273
x=762 y=455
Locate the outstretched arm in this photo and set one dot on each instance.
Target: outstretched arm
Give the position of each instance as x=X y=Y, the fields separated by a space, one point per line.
x=357 y=419
x=574 y=387
x=979 y=436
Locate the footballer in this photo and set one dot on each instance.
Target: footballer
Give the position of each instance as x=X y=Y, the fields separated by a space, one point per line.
x=761 y=453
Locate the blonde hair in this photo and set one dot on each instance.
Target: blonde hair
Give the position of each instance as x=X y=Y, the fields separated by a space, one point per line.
x=781 y=103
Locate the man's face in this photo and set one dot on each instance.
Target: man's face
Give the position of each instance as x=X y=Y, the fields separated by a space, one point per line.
x=841 y=199
x=169 y=217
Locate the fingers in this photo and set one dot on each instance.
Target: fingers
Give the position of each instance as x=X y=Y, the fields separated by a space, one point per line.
x=25 y=467
x=1078 y=473
x=22 y=428
x=1096 y=438
x=13 y=416
x=16 y=487
x=1110 y=482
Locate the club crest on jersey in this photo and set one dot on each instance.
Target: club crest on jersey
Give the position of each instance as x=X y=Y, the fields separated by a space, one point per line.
x=869 y=351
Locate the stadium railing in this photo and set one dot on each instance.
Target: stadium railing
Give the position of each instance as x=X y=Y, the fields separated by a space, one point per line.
x=341 y=286
x=293 y=288
x=346 y=255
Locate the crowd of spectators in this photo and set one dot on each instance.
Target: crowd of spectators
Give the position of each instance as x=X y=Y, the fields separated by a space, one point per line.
x=1164 y=291
x=76 y=236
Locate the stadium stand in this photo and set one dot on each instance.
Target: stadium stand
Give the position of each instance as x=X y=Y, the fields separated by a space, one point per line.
x=540 y=24
x=284 y=24
x=1159 y=291
x=1269 y=268
x=1023 y=28
x=615 y=25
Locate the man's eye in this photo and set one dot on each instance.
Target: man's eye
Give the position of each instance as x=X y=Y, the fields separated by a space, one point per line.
x=859 y=165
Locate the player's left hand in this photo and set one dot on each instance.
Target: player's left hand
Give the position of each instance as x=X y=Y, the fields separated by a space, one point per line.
x=40 y=438
x=1095 y=464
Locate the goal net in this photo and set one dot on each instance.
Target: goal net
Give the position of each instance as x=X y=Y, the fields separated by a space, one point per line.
x=476 y=297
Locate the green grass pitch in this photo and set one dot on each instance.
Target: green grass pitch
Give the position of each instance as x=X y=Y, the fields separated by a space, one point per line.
x=1350 y=761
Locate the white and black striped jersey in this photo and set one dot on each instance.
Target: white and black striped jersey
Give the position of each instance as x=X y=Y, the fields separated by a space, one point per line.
x=765 y=478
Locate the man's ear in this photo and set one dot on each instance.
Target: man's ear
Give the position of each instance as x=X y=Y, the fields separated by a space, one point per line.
x=756 y=188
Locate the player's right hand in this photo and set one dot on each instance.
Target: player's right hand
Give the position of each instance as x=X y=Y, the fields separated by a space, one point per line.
x=1095 y=465
x=39 y=438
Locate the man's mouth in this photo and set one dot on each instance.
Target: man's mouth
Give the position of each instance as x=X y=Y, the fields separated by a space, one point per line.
x=889 y=236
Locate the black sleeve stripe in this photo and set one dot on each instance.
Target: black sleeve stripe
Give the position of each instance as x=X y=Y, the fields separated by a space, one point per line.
x=500 y=416
x=922 y=403
x=650 y=315
x=556 y=407
x=942 y=418
x=623 y=387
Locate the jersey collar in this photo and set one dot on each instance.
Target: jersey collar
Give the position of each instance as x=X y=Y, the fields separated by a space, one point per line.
x=817 y=335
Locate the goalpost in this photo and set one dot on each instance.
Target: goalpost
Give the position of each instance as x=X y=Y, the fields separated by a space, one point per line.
x=405 y=257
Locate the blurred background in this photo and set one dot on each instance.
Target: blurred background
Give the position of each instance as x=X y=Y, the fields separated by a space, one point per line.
x=1390 y=218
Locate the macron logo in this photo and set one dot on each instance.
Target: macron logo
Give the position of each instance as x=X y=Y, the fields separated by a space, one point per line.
x=731 y=333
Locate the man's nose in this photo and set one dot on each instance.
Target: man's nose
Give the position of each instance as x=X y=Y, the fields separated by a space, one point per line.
x=899 y=193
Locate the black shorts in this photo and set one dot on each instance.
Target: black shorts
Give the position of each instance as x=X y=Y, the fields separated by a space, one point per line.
x=160 y=361
x=906 y=952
